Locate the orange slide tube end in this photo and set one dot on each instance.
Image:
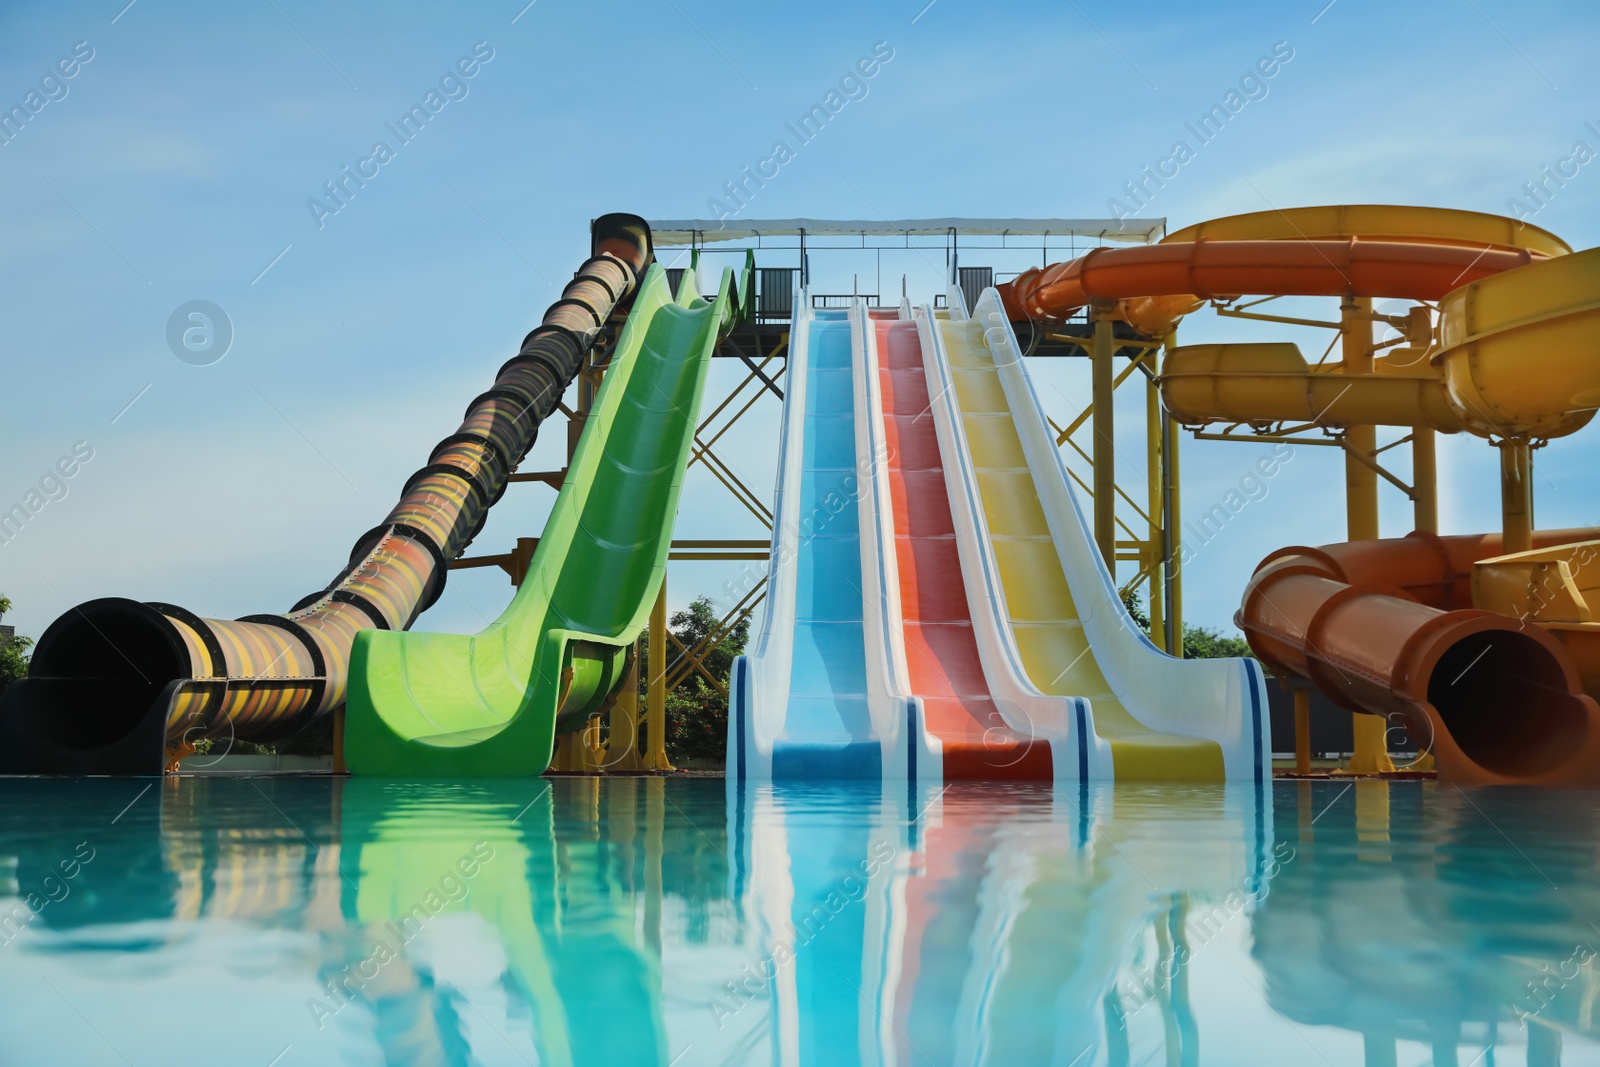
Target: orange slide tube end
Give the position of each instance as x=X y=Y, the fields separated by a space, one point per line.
x=1497 y=700
x=1226 y=269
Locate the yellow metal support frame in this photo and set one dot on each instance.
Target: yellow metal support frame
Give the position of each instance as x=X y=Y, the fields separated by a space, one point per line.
x=1103 y=376
x=589 y=750
x=1149 y=537
x=655 y=716
x=1371 y=753
x=1362 y=471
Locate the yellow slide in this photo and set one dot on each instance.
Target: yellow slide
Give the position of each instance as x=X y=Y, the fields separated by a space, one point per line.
x=1057 y=617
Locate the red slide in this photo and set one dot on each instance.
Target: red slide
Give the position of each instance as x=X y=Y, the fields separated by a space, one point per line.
x=941 y=652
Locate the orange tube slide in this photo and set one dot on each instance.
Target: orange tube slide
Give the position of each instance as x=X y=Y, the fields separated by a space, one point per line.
x=1387 y=627
x=1206 y=269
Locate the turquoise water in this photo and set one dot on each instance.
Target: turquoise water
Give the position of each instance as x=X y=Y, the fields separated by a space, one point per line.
x=318 y=921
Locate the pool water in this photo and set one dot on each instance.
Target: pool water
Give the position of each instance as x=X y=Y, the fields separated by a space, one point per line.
x=291 y=921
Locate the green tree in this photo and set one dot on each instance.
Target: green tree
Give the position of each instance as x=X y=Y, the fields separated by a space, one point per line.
x=13 y=653
x=1202 y=642
x=1199 y=642
x=697 y=713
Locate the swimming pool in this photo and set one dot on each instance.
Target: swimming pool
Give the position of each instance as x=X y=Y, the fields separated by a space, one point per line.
x=292 y=921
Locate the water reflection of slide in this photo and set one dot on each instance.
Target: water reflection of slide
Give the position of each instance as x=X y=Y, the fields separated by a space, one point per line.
x=645 y=922
x=1406 y=918
x=411 y=923
x=983 y=923
x=506 y=900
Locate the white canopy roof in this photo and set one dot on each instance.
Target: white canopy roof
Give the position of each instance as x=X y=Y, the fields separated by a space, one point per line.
x=671 y=232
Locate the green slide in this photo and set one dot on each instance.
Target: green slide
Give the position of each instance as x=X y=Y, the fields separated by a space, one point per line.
x=425 y=704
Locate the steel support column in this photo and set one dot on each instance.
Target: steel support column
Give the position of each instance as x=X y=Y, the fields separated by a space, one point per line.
x=1171 y=531
x=655 y=715
x=1516 y=494
x=1424 y=480
x=1156 y=551
x=622 y=747
x=1104 y=449
x=1361 y=508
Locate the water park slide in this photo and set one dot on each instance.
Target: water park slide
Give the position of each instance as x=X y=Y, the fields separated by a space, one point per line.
x=1062 y=657
x=1389 y=627
x=117 y=687
x=491 y=704
x=1502 y=364
x=1375 y=251
x=1556 y=587
x=1517 y=311
x=1346 y=251
x=1509 y=361
x=924 y=655
x=1514 y=349
x=799 y=705
x=1271 y=381
x=884 y=670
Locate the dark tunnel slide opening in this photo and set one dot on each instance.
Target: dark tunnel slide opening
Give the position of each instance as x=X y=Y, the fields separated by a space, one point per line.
x=98 y=670
x=1503 y=697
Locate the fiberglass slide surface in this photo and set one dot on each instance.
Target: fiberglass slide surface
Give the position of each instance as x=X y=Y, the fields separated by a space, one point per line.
x=827 y=728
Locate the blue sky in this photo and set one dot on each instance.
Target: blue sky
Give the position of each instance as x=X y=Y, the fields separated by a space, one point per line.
x=178 y=164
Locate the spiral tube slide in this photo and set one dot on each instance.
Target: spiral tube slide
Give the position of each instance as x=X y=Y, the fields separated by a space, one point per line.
x=1387 y=627
x=114 y=682
x=1516 y=350
x=1216 y=269
x=1271 y=382
x=491 y=704
x=1413 y=253
x=1511 y=361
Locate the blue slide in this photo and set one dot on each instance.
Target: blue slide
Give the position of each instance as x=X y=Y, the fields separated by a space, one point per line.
x=800 y=707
